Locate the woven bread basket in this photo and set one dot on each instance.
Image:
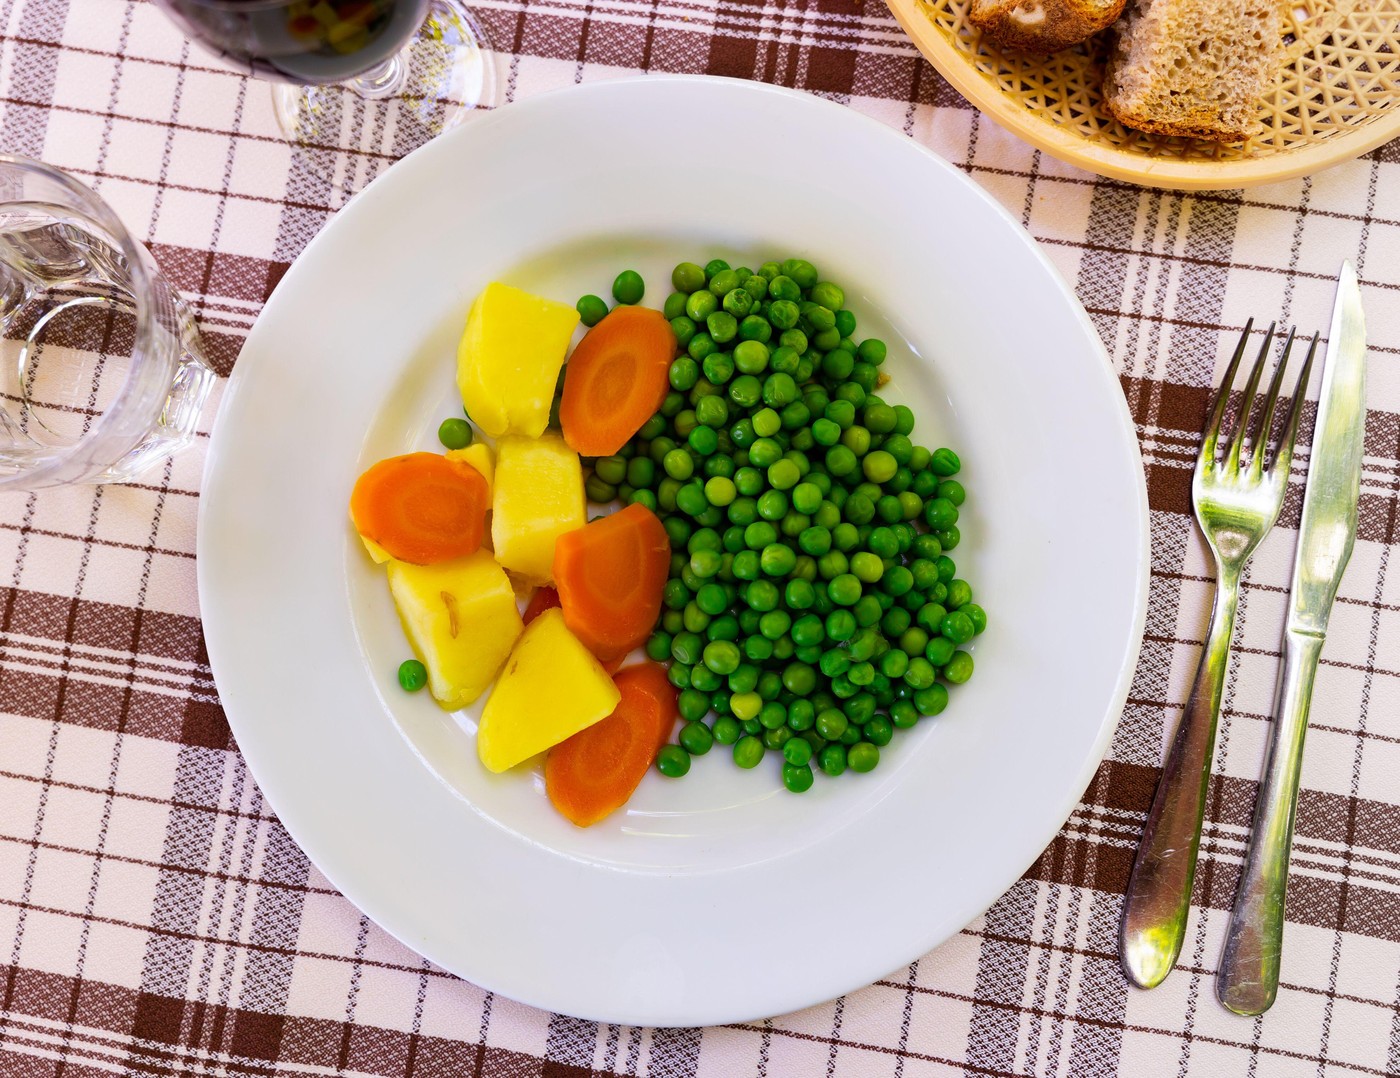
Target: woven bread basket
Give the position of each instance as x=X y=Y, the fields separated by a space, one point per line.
x=1337 y=96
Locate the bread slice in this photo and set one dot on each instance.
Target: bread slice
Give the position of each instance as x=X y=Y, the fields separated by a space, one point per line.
x=1042 y=26
x=1195 y=68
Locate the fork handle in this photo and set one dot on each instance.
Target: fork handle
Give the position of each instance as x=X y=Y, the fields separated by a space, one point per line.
x=1248 y=979
x=1159 y=891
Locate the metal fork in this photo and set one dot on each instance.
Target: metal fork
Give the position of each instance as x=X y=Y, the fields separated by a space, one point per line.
x=1235 y=507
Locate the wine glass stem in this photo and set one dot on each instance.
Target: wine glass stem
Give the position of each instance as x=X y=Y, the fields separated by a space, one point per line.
x=385 y=80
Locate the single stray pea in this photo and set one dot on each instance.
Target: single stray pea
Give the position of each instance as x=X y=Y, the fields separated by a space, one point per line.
x=413 y=675
x=455 y=433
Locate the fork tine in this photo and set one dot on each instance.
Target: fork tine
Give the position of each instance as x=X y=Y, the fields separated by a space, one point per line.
x=1283 y=460
x=1222 y=397
x=1232 y=459
x=1256 y=463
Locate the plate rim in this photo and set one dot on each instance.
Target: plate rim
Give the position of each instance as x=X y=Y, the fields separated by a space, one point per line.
x=356 y=890
x=1115 y=164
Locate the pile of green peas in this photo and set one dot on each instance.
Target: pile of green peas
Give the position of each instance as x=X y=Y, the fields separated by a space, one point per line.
x=811 y=608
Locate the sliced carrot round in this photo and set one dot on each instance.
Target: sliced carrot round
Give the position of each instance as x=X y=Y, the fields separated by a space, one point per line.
x=610 y=574
x=421 y=507
x=616 y=380
x=593 y=773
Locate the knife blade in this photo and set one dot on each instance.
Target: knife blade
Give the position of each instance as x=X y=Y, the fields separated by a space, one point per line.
x=1327 y=530
x=1249 y=965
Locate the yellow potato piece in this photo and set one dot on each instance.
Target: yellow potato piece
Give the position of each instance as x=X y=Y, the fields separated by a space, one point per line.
x=509 y=359
x=537 y=497
x=478 y=455
x=461 y=618
x=551 y=688
x=377 y=552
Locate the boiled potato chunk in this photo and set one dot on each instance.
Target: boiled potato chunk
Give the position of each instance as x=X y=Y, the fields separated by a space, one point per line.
x=551 y=688
x=478 y=455
x=509 y=359
x=537 y=496
x=461 y=618
x=375 y=551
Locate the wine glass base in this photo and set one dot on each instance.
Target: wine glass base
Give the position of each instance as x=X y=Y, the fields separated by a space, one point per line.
x=348 y=133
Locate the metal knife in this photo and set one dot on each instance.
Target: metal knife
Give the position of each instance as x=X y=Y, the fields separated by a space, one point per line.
x=1248 y=979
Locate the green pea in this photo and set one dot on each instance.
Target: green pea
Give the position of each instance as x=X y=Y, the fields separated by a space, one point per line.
x=783 y=287
x=722 y=326
x=944 y=462
x=696 y=738
x=798 y=752
x=777 y=559
x=628 y=287
x=412 y=675
x=724 y=282
x=872 y=351
x=761 y=595
x=867 y=567
x=738 y=303
x=748 y=752
x=841 y=624
x=977 y=616
x=799 y=678
x=687 y=277
x=455 y=433
x=755 y=328
x=940 y=513
x=700 y=305
x=598 y=491
x=959 y=667
x=725 y=730
x=832 y=760
x=920 y=674
x=746 y=391
x=673 y=761
x=831 y=723
x=797 y=779
x=690 y=499
x=719 y=491
x=715 y=265
x=828 y=295
x=879 y=466
x=957 y=627
x=863 y=757
x=592 y=309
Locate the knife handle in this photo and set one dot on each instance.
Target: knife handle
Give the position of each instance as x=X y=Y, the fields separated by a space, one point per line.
x=1248 y=979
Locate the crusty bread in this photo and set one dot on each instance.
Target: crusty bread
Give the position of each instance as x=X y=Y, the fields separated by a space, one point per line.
x=1195 y=68
x=1042 y=25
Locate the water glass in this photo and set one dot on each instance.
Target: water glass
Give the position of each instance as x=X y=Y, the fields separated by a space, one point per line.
x=101 y=372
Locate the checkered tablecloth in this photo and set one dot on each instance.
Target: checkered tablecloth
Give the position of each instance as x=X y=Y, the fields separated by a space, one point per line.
x=159 y=920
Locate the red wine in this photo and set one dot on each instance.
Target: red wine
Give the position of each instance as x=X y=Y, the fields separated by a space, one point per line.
x=301 y=41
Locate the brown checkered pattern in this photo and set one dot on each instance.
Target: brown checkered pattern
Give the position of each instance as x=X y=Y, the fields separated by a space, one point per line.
x=161 y=921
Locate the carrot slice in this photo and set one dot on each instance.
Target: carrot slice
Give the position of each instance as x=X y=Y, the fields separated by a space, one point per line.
x=609 y=575
x=616 y=380
x=594 y=772
x=545 y=598
x=650 y=678
x=421 y=507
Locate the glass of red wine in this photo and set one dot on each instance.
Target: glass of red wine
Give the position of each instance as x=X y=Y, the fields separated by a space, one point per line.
x=357 y=84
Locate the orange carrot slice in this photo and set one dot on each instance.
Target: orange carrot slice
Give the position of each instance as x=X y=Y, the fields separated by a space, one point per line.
x=616 y=380
x=421 y=507
x=545 y=598
x=593 y=773
x=609 y=575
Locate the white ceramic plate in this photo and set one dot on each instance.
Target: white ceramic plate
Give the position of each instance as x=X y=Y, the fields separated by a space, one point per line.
x=719 y=897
